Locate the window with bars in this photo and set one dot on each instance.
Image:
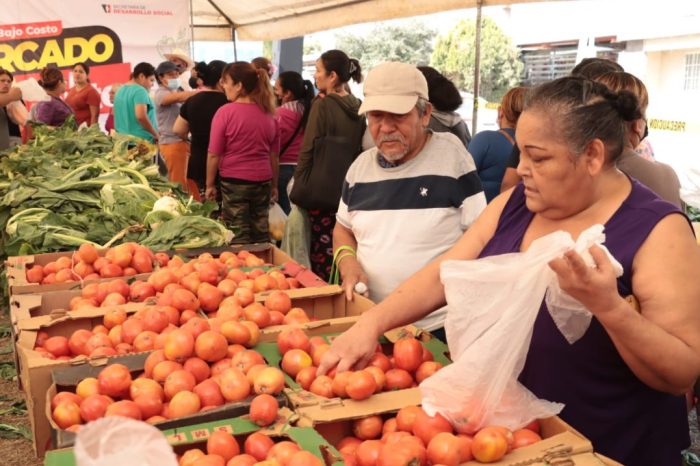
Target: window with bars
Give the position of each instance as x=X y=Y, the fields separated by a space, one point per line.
x=692 y=72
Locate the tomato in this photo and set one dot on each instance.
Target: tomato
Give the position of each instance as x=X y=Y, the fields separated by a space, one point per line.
x=397 y=379
x=295 y=360
x=367 y=452
x=283 y=452
x=390 y=426
x=263 y=409
x=258 y=445
x=533 y=426
x=379 y=377
x=348 y=444
x=489 y=445
x=322 y=386
x=426 y=427
x=408 y=354
x=465 y=447
x=361 y=385
x=222 y=444
x=306 y=376
x=524 y=437
x=406 y=417
x=340 y=383
x=305 y=458
x=444 y=448
x=294 y=338
x=426 y=369
x=368 y=428
x=402 y=453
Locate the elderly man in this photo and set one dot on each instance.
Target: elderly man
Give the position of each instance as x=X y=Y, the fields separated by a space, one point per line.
x=408 y=199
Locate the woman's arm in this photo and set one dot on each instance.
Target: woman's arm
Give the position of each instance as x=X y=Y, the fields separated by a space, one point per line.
x=414 y=299
x=275 y=165
x=141 y=111
x=181 y=127
x=212 y=170
x=94 y=113
x=14 y=94
x=660 y=344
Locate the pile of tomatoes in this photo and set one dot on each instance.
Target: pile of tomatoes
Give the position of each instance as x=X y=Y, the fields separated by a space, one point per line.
x=258 y=449
x=130 y=259
x=236 y=316
x=409 y=364
x=416 y=438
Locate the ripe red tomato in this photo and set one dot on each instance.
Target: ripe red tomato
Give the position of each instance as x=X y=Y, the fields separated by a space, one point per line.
x=426 y=427
x=408 y=354
x=361 y=385
x=263 y=409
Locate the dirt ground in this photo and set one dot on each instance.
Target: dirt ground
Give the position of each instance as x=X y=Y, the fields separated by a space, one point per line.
x=13 y=452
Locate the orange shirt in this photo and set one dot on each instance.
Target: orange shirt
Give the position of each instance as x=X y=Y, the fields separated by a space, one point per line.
x=80 y=101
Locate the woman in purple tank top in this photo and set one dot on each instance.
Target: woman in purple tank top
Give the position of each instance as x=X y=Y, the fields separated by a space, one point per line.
x=622 y=382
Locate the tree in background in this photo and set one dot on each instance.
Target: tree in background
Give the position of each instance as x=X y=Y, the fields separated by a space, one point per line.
x=500 y=66
x=409 y=43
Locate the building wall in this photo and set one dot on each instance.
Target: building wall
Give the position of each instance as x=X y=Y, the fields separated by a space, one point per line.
x=673 y=113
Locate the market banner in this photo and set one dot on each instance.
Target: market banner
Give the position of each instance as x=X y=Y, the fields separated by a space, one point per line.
x=110 y=37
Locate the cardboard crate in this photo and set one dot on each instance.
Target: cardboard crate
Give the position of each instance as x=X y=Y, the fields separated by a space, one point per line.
x=314 y=410
x=35 y=371
x=560 y=440
x=194 y=436
x=67 y=379
x=17 y=281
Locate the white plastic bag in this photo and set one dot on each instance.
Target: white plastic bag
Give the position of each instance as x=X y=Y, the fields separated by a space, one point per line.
x=277 y=220
x=118 y=441
x=492 y=306
x=297 y=236
x=31 y=90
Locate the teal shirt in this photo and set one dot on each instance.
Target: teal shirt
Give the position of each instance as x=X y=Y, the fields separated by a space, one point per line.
x=125 y=101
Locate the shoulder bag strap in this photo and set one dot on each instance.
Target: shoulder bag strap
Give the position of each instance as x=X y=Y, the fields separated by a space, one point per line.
x=507 y=136
x=294 y=134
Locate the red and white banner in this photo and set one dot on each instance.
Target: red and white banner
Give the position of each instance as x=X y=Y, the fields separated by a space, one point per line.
x=110 y=37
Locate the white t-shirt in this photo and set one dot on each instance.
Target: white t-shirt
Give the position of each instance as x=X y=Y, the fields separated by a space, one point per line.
x=403 y=217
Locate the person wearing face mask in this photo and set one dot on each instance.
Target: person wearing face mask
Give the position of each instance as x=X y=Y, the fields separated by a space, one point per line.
x=174 y=149
x=657 y=176
x=83 y=98
x=134 y=111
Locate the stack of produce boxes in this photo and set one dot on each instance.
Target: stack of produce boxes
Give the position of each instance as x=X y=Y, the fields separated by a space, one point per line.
x=212 y=354
x=38 y=316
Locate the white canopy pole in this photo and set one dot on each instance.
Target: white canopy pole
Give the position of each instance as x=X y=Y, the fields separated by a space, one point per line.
x=477 y=64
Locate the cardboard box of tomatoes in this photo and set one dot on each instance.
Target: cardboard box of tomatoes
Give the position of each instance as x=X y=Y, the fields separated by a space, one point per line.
x=186 y=438
x=349 y=424
x=67 y=379
x=321 y=304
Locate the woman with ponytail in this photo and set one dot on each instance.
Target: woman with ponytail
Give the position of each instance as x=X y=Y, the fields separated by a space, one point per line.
x=622 y=382
x=294 y=95
x=195 y=118
x=55 y=111
x=243 y=151
x=332 y=118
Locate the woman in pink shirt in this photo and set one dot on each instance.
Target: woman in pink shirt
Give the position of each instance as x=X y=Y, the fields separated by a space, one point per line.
x=294 y=96
x=243 y=151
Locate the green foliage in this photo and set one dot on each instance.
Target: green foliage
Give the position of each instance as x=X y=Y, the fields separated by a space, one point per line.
x=410 y=43
x=18 y=408
x=7 y=371
x=70 y=187
x=500 y=65
x=693 y=213
x=10 y=431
